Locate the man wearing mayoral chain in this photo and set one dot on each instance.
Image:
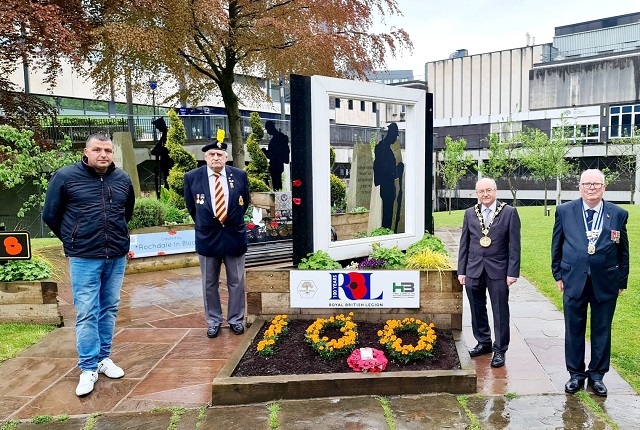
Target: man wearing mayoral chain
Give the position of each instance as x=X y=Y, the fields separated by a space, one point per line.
x=489 y=260
x=590 y=263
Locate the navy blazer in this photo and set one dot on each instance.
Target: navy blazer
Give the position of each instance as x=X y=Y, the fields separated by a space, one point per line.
x=502 y=258
x=609 y=266
x=212 y=238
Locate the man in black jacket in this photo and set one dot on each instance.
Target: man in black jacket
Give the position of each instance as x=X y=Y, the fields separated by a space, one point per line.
x=88 y=206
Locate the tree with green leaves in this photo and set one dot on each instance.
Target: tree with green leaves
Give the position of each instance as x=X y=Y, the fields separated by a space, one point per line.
x=258 y=168
x=205 y=45
x=183 y=160
x=23 y=160
x=454 y=165
x=546 y=158
x=505 y=157
x=627 y=151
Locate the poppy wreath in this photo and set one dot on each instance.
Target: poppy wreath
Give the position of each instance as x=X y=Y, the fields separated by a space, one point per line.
x=331 y=348
x=390 y=338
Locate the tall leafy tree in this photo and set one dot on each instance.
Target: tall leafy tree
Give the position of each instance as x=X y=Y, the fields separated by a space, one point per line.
x=454 y=165
x=546 y=157
x=505 y=157
x=204 y=45
x=627 y=151
x=37 y=34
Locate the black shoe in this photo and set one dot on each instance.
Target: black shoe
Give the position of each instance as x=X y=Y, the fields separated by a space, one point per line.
x=498 y=359
x=213 y=331
x=237 y=328
x=573 y=385
x=598 y=387
x=479 y=350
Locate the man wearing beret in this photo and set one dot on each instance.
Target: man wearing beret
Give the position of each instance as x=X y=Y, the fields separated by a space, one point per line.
x=217 y=196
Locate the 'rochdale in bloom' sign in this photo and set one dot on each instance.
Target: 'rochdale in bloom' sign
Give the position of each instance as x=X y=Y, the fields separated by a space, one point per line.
x=355 y=289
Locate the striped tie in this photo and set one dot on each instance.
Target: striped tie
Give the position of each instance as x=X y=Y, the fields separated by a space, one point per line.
x=221 y=207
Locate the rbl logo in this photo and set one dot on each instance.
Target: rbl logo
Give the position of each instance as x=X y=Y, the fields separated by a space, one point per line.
x=355 y=285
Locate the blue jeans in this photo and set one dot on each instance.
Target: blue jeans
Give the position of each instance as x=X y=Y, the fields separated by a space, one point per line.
x=96 y=284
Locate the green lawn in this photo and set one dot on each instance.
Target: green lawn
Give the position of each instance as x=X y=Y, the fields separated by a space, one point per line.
x=536 y=268
x=19 y=337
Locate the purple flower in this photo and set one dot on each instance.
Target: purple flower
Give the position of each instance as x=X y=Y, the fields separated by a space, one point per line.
x=372 y=263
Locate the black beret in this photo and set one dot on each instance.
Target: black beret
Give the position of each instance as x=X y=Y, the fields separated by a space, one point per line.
x=215 y=145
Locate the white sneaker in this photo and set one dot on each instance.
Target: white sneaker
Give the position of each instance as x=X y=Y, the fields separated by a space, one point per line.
x=87 y=379
x=107 y=367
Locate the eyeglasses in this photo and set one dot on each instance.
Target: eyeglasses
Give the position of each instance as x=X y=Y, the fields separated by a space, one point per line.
x=487 y=191
x=595 y=185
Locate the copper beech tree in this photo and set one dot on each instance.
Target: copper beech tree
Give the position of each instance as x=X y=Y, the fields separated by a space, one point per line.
x=204 y=45
x=37 y=34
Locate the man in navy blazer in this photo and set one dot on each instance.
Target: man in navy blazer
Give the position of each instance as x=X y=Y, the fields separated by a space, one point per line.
x=216 y=241
x=590 y=263
x=489 y=260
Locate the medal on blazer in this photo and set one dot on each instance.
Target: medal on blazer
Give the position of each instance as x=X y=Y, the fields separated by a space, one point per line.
x=241 y=201
x=485 y=240
x=593 y=231
x=200 y=199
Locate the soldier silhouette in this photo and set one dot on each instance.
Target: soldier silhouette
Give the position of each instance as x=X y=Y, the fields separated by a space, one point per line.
x=277 y=153
x=385 y=173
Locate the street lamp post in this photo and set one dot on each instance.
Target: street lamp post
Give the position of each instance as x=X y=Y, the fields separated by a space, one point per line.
x=153 y=85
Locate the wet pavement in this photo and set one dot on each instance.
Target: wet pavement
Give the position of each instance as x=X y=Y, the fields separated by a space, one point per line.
x=169 y=362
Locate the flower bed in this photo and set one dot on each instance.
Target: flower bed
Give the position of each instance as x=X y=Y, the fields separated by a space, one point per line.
x=296 y=371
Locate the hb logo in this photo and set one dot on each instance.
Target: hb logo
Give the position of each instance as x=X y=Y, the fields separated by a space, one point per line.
x=355 y=285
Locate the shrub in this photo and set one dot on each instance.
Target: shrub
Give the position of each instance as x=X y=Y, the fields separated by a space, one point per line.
x=358 y=209
x=183 y=160
x=428 y=259
x=319 y=260
x=381 y=231
x=257 y=185
x=25 y=270
x=338 y=192
x=396 y=259
x=258 y=168
x=428 y=241
x=148 y=212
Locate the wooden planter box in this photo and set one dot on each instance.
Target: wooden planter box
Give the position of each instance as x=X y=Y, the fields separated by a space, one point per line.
x=228 y=390
x=30 y=302
x=440 y=299
x=265 y=201
x=348 y=224
x=268 y=295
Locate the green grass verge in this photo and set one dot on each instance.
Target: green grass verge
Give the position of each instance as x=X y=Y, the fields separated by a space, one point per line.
x=44 y=242
x=16 y=337
x=536 y=268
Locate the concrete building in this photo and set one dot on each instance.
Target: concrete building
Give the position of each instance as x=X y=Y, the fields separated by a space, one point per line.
x=590 y=74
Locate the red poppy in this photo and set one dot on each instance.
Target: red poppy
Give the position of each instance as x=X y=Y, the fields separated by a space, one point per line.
x=251 y=225
x=161 y=253
x=171 y=233
x=274 y=223
x=297 y=200
x=131 y=254
x=297 y=183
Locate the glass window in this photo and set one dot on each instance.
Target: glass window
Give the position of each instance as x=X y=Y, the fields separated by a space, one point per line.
x=374 y=107
x=337 y=103
x=362 y=105
x=624 y=121
x=350 y=103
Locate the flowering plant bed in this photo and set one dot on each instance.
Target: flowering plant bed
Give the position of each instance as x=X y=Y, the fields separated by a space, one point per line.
x=390 y=338
x=296 y=371
x=329 y=347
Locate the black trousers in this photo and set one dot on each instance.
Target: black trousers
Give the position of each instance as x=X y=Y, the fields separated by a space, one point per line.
x=575 y=327
x=499 y=295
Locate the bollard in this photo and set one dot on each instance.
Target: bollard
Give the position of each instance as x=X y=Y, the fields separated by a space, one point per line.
x=547 y=211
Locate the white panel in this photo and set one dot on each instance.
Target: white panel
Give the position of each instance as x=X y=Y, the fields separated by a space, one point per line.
x=505 y=82
x=495 y=83
x=516 y=81
x=448 y=90
x=467 y=75
x=476 y=84
x=485 y=101
x=322 y=88
x=456 y=87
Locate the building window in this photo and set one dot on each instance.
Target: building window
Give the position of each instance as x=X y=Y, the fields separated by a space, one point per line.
x=362 y=105
x=337 y=103
x=350 y=104
x=374 y=107
x=579 y=134
x=624 y=121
